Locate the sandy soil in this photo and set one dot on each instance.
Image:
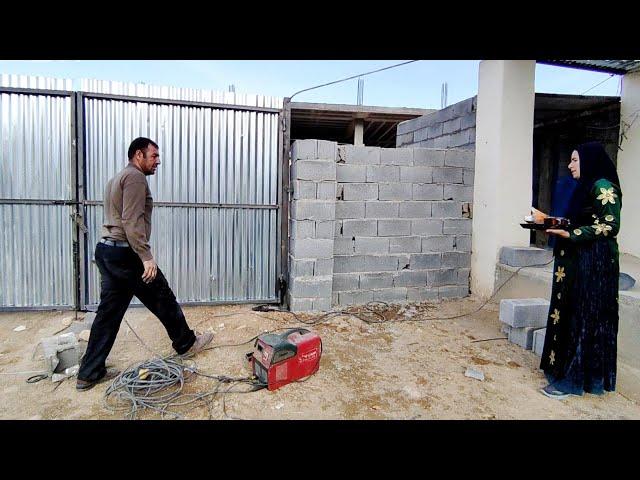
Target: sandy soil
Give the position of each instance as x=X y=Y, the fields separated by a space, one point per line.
x=396 y=370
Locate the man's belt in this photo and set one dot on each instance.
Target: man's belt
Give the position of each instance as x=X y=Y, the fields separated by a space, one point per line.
x=113 y=243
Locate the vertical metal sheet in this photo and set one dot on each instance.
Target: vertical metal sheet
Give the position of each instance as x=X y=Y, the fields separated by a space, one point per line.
x=35 y=155
x=36 y=261
x=207 y=254
x=35 y=82
x=175 y=93
x=36 y=249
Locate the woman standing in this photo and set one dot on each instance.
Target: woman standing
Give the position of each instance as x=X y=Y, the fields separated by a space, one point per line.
x=580 y=344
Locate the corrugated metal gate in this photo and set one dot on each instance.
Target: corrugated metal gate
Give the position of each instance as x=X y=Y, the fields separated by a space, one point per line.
x=37 y=195
x=217 y=194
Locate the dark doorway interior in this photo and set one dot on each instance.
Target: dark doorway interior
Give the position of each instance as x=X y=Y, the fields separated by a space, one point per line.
x=561 y=122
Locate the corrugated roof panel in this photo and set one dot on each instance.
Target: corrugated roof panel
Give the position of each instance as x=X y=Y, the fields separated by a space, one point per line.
x=619 y=67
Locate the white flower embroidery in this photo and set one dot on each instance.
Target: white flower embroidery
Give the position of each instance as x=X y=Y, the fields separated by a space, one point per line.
x=602 y=228
x=607 y=195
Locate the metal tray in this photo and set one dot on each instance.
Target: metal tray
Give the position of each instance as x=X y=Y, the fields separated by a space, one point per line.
x=533 y=226
x=541 y=226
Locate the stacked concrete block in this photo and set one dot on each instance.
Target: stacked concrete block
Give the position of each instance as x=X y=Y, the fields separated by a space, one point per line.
x=538 y=341
x=451 y=127
x=524 y=312
x=391 y=214
x=525 y=256
x=312 y=225
x=522 y=336
x=522 y=317
x=380 y=224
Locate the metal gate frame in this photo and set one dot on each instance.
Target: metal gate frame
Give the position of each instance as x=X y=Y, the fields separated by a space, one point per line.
x=78 y=202
x=282 y=189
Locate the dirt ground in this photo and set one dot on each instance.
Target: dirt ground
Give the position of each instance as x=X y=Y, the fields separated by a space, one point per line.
x=395 y=370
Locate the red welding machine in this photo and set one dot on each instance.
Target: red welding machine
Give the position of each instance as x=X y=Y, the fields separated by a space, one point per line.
x=285 y=358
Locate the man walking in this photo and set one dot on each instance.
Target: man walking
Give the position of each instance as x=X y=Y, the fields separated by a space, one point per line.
x=127 y=268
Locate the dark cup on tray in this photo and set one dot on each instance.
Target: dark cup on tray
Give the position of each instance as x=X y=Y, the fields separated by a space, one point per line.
x=556 y=222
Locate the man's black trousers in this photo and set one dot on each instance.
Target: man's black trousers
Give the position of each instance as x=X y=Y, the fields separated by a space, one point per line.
x=120 y=279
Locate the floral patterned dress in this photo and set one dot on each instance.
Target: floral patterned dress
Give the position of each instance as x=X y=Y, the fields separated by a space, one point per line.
x=580 y=344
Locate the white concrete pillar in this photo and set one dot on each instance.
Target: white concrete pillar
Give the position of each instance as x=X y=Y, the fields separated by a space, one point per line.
x=503 y=165
x=358 y=133
x=629 y=164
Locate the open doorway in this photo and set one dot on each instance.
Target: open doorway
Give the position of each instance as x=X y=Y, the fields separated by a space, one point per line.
x=560 y=123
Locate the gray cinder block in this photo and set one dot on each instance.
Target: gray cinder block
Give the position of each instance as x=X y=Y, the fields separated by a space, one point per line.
x=382 y=209
x=360 y=191
x=524 y=256
x=395 y=191
x=416 y=175
x=349 y=210
x=392 y=228
x=346 y=281
x=408 y=278
x=426 y=227
x=313 y=170
x=385 y=173
x=392 y=295
x=428 y=191
x=538 y=341
x=461 y=226
x=300 y=304
x=346 y=173
x=438 y=243
x=397 y=156
x=430 y=157
x=456 y=157
x=304 y=150
x=405 y=245
x=421 y=294
x=369 y=281
x=457 y=291
x=522 y=336
x=524 y=312
x=366 y=245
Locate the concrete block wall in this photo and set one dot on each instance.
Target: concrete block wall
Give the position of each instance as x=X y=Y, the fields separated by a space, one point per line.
x=451 y=127
x=312 y=225
x=401 y=231
x=398 y=226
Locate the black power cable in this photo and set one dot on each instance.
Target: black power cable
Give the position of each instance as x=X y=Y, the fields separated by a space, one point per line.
x=379 y=318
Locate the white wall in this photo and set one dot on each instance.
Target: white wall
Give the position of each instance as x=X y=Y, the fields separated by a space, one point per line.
x=503 y=164
x=629 y=165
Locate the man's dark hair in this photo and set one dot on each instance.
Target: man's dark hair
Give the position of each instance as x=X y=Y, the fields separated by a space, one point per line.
x=140 y=143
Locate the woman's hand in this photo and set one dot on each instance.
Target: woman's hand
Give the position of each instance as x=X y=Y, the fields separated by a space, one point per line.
x=559 y=232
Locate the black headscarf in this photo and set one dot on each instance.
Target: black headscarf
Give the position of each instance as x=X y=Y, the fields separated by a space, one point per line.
x=595 y=164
